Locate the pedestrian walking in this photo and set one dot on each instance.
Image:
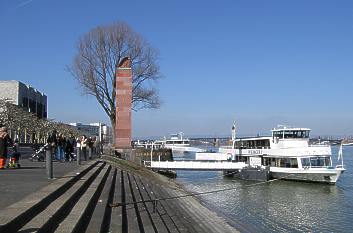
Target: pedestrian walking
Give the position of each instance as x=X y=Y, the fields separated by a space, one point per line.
x=5 y=142
x=90 y=147
x=96 y=146
x=14 y=156
x=69 y=149
x=84 y=146
x=53 y=141
x=60 y=148
x=78 y=145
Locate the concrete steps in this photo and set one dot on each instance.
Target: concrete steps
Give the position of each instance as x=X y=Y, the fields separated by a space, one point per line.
x=181 y=217
x=81 y=213
x=14 y=217
x=158 y=223
x=83 y=203
x=55 y=208
x=101 y=217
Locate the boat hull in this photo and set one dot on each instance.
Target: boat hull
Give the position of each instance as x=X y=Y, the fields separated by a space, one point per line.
x=321 y=175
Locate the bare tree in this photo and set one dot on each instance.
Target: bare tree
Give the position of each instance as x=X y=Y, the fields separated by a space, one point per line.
x=98 y=55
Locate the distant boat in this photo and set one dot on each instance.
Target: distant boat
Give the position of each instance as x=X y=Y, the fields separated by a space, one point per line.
x=347 y=144
x=176 y=142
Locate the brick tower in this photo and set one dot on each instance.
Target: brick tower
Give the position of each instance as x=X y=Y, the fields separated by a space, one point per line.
x=123 y=104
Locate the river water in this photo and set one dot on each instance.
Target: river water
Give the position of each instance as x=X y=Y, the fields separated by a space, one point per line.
x=278 y=206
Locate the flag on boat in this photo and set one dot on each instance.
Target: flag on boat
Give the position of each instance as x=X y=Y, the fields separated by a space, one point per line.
x=340 y=153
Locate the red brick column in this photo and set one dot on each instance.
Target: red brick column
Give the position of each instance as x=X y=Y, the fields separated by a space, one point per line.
x=123 y=105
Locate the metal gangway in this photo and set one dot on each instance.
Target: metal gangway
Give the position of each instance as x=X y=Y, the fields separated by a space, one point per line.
x=195 y=165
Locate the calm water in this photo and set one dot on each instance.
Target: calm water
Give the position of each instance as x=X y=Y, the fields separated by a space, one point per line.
x=279 y=206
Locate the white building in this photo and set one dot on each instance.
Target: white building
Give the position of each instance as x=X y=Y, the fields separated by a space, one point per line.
x=24 y=96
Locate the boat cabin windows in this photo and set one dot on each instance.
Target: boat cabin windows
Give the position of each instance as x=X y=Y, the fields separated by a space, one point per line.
x=305 y=162
x=316 y=162
x=253 y=144
x=278 y=134
x=281 y=162
x=291 y=134
x=177 y=142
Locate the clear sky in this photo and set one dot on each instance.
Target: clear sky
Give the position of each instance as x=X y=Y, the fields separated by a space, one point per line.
x=261 y=63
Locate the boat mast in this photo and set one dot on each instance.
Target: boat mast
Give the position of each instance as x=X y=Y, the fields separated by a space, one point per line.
x=181 y=135
x=233 y=135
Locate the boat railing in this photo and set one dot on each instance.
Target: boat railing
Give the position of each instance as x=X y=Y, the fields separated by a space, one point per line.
x=318 y=145
x=307 y=167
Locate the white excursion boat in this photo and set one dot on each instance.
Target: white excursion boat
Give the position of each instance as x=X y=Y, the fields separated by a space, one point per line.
x=176 y=142
x=288 y=155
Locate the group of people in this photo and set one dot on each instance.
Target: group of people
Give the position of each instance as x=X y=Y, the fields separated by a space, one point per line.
x=63 y=148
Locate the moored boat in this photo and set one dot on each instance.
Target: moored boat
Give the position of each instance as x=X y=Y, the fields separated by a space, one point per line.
x=288 y=155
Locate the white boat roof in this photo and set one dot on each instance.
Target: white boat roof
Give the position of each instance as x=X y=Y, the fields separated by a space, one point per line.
x=177 y=139
x=253 y=138
x=290 y=129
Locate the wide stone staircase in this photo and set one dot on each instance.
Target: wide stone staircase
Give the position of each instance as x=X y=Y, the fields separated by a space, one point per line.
x=104 y=198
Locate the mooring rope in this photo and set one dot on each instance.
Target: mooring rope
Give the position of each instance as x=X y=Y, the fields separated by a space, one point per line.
x=156 y=200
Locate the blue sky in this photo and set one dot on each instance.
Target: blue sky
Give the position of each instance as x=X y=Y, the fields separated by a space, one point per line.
x=261 y=63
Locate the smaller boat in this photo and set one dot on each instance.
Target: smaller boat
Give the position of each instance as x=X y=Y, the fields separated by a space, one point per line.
x=177 y=142
x=346 y=142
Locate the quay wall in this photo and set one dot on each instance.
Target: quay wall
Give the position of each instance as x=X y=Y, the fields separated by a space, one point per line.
x=140 y=155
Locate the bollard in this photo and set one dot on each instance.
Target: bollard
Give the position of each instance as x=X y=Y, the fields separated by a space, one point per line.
x=49 y=162
x=78 y=156
x=89 y=152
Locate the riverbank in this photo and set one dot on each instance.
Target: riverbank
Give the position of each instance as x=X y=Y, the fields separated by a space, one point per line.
x=104 y=195
x=199 y=218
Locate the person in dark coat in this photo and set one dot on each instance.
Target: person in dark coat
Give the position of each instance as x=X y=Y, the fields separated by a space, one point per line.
x=52 y=142
x=5 y=141
x=69 y=149
x=15 y=156
x=90 y=147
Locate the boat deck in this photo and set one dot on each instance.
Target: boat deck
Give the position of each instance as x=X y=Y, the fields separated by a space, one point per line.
x=195 y=165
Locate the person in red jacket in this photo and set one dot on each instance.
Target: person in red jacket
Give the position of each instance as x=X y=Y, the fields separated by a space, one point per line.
x=5 y=141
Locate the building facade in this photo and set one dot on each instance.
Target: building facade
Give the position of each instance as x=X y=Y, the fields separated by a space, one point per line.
x=24 y=96
x=99 y=130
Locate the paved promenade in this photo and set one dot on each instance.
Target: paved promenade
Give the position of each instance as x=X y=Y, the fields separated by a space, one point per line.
x=105 y=195
x=17 y=183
